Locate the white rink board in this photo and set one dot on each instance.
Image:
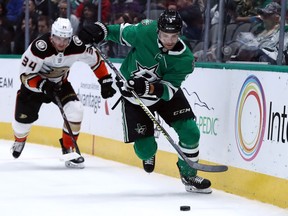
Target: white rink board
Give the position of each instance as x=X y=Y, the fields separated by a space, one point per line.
x=220 y=90
x=215 y=96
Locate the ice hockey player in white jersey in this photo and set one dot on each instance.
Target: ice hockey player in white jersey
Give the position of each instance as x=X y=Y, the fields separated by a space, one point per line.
x=44 y=73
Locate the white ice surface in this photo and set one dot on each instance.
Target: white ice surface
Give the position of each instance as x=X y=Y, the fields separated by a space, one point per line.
x=38 y=184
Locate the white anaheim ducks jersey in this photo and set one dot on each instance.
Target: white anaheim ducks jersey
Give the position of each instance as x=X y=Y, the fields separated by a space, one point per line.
x=42 y=61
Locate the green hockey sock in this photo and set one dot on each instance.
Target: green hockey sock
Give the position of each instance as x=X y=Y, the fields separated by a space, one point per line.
x=145 y=148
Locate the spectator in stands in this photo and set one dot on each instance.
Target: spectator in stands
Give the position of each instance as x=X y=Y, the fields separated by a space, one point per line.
x=191 y=11
x=6 y=35
x=172 y=5
x=62 y=12
x=237 y=11
x=247 y=10
x=113 y=49
x=258 y=47
x=14 y=9
x=32 y=12
x=89 y=15
x=3 y=11
x=105 y=9
x=123 y=6
x=122 y=18
x=6 y=31
x=47 y=8
x=137 y=17
x=3 y=15
x=263 y=48
x=44 y=25
x=285 y=46
x=74 y=5
x=156 y=8
x=19 y=46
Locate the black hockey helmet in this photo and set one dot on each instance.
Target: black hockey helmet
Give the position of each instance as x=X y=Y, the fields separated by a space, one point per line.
x=170 y=21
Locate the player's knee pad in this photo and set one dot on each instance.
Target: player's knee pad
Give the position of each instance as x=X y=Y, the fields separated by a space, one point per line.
x=74 y=111
x=20 y=129
x=145 y=148
x=188 y=132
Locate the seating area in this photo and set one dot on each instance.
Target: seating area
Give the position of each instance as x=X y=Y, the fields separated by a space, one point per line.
x=230 y=33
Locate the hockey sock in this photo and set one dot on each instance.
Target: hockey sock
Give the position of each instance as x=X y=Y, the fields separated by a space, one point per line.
x=185 y=170
x=22 y=139
x=67 y=140
x=145 y=148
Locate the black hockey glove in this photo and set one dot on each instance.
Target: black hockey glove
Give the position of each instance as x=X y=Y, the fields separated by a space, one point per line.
x=140 y=85
x=49 y=88
x=106 y=86
x=126 y=92
x=93 y=33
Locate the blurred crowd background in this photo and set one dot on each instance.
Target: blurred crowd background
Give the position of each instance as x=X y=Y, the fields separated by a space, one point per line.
x=216 y=31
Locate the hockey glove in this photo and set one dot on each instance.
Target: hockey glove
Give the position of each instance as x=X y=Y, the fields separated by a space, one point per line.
x=106 y=86
x=123 y=88
x=140 y=85
x=49 y=88
x=93 y=33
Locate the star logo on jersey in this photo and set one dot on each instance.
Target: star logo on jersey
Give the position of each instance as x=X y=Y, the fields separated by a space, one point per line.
x=148 y=72
x=141 y=129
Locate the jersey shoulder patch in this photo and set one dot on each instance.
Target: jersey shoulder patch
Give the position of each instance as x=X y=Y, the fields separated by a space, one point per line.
x=42 y=47
x=76 y=46
x=76 y=40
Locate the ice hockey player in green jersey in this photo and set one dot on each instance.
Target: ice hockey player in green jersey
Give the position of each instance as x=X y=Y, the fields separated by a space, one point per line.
x=156 y=66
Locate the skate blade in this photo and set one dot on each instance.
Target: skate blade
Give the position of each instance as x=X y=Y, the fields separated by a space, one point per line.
x=69 y=156
x=193 y=189
x=72 y=165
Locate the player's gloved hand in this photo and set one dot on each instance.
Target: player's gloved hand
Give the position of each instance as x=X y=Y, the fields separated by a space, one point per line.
x=93 y=33
x=126 y=92
x=140 y=85
x=49 y=88
x=106 y=86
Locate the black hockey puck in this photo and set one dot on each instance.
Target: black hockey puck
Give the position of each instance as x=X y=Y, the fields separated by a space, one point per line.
x=184 y=208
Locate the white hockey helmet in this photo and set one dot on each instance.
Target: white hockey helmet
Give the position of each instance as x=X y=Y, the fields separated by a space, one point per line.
x=62 y=28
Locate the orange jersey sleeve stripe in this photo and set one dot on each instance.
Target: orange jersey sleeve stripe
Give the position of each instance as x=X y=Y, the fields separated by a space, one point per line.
x=101 y=71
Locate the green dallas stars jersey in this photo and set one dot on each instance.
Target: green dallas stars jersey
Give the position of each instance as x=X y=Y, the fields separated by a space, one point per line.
x=148 y=58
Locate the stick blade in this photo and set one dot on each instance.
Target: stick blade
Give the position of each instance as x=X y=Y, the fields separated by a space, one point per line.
x=206 y=167
x=69 y=156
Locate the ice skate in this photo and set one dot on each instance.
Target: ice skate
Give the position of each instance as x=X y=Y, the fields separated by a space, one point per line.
x=149 y=164
x=196 y=184
x=17 y=148
x=77 y=163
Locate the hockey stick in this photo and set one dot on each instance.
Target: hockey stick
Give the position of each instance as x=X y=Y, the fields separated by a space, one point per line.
x=194 y=165
x=72 y=155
